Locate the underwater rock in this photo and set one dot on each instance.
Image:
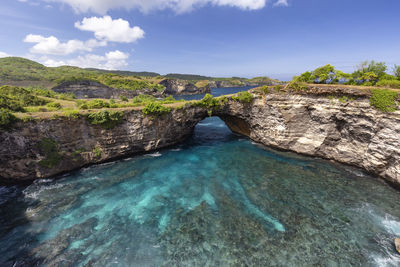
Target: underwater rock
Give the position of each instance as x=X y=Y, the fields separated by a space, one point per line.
x=397 y=244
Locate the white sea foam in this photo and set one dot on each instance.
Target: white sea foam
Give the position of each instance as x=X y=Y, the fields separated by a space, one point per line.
x=176 y=149
x=386 y=261
x=108 y=163
x=156 y=154
x=34 y=194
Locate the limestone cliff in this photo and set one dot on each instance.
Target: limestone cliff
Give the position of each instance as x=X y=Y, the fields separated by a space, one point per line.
x=181 y=87
x=350 y=132
x=91 y=89
x=48 y=147
x=316 y=123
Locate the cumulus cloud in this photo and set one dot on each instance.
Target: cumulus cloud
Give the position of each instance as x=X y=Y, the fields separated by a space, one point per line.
x=52 y=46
x=179 y=6
x=281 y=3
x=111 y=61
x=4 y=54
x=107 y=29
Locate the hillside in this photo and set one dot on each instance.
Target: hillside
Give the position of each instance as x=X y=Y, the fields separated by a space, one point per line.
x=24 y=72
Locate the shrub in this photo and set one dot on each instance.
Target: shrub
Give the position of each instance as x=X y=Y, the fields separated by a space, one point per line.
x=107 y=119
x=223 y=100
x=243 y=97
x=6 y=118
x=156 y=109
x=16 y=98
x=345 y=99
x=384 y=100
x=297 y=86
x=93 y=104
x=54 y=105
x=49 y=148
x=72 y=114
x=264 y=90
x=97 y=152
x=169 y=100
x=208 y=102
x=143 y=99
x=123 y=98
x=389 y=83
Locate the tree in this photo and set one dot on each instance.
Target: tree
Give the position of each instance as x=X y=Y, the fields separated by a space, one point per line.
x=378 y=68
x=325 y=74
x=396 y=71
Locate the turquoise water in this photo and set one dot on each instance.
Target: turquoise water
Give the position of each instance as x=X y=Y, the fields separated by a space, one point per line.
x=216 y=200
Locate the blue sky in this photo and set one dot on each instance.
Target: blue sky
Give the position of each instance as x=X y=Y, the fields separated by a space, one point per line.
x=210 y=37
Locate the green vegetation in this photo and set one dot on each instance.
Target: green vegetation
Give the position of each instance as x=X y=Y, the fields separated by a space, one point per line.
x=208 y=102
x=54 y=105
x=368 y=73
x=297 y=86
x=6 y=118
x=19 y=70
x=49 y=147
x=123 y=82
x=108 y=119
x=16 y=98
x=188 y=77
x=143 y=99
x=155 y=109
x=389 y=83
x=345 y=99
x=97 y=152
x=71 y=114
x=396 y=71
x=93 y=104
x=243 y=97
x=384 y=100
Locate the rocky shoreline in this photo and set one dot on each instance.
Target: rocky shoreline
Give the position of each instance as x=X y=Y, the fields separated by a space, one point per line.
x=317 y=123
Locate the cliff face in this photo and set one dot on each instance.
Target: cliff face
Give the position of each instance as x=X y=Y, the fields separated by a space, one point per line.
x=350 y=132
x=181 y=87
x=44 y=148
x=91 y=89
x=353 y=132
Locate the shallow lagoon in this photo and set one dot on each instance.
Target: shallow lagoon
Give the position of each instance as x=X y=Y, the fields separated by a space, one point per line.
x=216 y=200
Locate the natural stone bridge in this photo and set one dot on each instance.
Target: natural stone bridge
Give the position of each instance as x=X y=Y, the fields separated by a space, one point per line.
x=312 y=124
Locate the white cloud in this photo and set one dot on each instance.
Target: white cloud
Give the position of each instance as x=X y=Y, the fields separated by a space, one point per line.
x=4 y=54
x=111 y=61
x=105 y=28
x=281 y=3
x=54 y=63
x=52 y=46
x=179 y=6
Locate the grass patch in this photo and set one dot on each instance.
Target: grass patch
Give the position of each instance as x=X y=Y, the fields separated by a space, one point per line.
x=208 y=102
x=155 y=109
x=108 y=119
x=6 y=118
x=243 y=97
x=384 y=100
x=97 y=152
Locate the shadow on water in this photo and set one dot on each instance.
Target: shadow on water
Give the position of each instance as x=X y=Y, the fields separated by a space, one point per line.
x=216 y=200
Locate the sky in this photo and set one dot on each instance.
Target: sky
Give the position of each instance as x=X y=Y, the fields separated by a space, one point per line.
x=245 y=38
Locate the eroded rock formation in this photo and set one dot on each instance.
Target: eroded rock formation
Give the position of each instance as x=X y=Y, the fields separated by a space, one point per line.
x=48 y=147
x=91 y=89
x=181 y=87
x=349 y=131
